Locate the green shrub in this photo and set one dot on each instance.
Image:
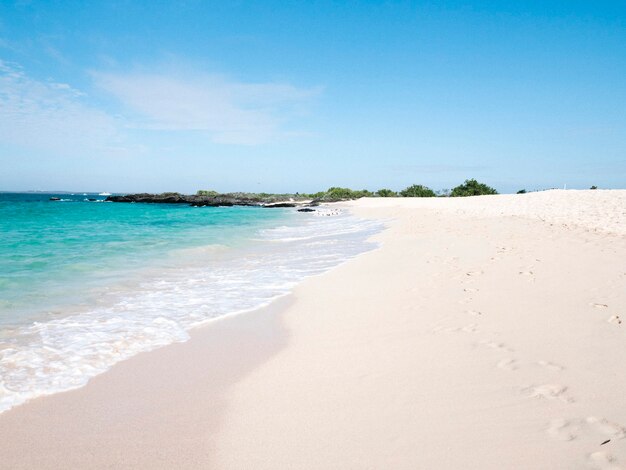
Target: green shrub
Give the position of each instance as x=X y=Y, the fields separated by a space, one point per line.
x=386 y=193
x=594 y=187
x=337 y=194
x=206 y=192
x=417 y=190
x=472 y=188
x=521 y=191
x=318 y=195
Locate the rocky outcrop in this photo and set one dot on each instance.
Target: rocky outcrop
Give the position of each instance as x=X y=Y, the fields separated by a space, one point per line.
x=221 y=200
x=166 y=198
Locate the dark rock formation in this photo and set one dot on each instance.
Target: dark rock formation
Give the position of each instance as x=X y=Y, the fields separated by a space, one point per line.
x=220 y=200
x=166 y=198
x=206 y=201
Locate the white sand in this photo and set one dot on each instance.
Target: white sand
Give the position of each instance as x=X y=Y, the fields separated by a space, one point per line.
x=473 y=338
x=467 y=341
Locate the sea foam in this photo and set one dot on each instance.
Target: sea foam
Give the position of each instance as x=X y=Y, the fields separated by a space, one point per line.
x=161 y=305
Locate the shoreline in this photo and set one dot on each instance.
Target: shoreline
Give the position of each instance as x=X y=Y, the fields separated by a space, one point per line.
x=104 y=422
x=151 y=307
x=479 y=341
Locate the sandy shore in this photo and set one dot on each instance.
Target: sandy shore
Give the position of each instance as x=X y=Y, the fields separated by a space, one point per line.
x=484 y=333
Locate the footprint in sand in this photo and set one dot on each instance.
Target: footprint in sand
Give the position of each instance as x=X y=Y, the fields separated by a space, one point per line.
x=615 y=319
x=606 y=428
x=602 y=430
x=474 y=313
x=497 y=346
x=470 y=289
x=551 y=392
x=604 y=461
x=550 y=365
x=508 y=364
x=473 y=273
x=599 y=305
x=471 y=328
x=563 y=430
x=528 y=273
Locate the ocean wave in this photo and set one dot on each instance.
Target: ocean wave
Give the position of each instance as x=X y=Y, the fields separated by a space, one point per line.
x=164 y=304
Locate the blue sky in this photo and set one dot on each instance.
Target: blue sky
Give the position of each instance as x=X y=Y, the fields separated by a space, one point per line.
x=299 y=96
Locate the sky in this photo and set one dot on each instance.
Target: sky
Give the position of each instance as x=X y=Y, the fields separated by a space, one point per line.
x=129 y=96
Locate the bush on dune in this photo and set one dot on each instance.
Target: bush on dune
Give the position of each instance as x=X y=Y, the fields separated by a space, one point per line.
x=472 y=188
x=338 y=194
x=386 y=193
x=417 y=190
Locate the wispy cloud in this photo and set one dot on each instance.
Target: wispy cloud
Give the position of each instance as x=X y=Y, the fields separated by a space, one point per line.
x=59 y=119
x=49 y=115
x=228 y=111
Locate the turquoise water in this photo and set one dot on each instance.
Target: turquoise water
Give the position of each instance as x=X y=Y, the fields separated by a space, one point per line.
x=57 y=252
x=85 y=284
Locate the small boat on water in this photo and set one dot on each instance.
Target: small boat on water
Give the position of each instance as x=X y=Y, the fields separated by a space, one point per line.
x=104 y=194
x=53 y=198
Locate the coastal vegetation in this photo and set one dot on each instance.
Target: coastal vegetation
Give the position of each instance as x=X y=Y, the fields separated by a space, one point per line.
x=332 y=194
x=209 y=197
x=206 y=192
x=472 y=187
x=338 y=194
x=386 y=193
x=417 y=190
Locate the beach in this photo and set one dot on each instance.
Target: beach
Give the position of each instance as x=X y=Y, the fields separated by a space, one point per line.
x=484 y=332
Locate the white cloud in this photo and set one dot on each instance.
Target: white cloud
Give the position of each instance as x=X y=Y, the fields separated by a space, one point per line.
x=229 y=112
x=49 y=116
x=56 y=119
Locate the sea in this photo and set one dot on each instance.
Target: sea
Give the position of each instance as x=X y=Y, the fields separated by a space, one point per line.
x=86 y=283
